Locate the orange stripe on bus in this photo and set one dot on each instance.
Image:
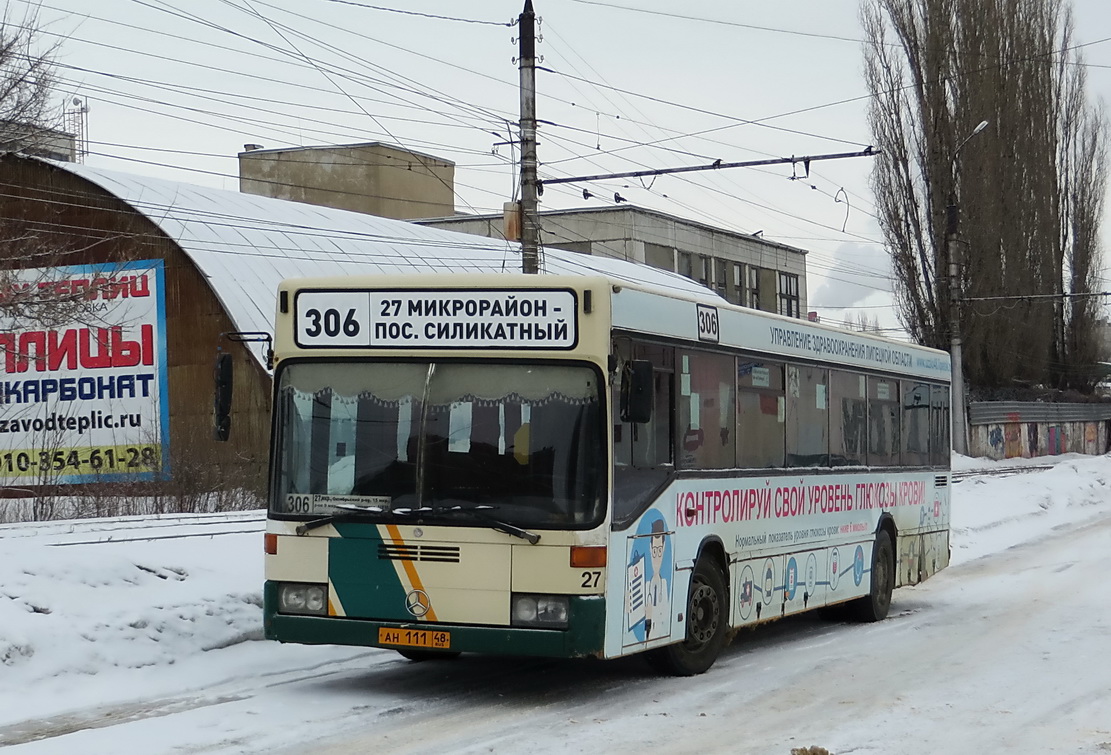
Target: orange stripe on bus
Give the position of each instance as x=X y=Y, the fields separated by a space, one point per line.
x=410 y=569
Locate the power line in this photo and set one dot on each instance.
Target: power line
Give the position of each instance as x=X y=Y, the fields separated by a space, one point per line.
x=334 y=83
x=649 y=188
x=718 y=21
x=717 y=165
x=778 y=30
x=422 y=15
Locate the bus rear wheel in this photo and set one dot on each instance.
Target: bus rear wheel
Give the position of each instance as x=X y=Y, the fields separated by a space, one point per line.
x=877 y=603
x=707 y=622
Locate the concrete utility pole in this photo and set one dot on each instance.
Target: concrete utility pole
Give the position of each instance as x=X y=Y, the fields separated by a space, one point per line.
x=530 y=223
x=960 y=442
x=960 y=420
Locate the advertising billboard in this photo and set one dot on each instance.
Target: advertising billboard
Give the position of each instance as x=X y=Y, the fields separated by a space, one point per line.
x=83 y=394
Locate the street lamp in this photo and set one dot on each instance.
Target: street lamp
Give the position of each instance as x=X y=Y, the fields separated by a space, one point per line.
x=960 y=423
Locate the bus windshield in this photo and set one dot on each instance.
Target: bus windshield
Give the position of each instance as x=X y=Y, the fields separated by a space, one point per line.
x=403 y=438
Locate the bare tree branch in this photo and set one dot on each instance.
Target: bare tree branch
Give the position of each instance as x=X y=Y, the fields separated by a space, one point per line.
x=1029 y=189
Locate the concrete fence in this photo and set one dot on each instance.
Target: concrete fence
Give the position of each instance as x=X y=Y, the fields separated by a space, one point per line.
x=1009 y=429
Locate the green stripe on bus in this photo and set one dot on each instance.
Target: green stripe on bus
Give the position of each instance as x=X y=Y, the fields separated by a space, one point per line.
x=366 y=585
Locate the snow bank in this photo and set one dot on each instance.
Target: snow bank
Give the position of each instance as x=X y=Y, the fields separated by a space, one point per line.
x=86 y=625
x=75 y=619
x=992 y=513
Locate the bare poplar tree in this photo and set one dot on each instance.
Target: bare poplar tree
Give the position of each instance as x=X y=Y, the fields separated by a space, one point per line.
x=26 y=80
x=1029 y=189
x=860 y=321
x=27 y=119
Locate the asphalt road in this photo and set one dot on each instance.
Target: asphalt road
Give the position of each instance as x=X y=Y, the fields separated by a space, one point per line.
x=1006 y=653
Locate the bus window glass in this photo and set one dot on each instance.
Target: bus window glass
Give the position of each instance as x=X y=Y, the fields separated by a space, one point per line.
x=641 y=452
x=521 y=438
x=652 y=440
x=622 y=431
x=939 y=425
x=807 y=417
x=295 y=415
x=884 y=427
x=916 y=423
x=761 y=414
x=705 y=408
x=848 y=418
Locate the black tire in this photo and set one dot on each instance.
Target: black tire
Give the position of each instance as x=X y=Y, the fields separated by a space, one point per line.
x=428 y=655
x=707 y=621
x=876 y=604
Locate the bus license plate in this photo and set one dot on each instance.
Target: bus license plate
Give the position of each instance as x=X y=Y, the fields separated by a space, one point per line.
x=415 y=638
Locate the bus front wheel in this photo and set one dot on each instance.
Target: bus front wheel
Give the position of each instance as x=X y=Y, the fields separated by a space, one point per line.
x=875 y=605
x=707 y=622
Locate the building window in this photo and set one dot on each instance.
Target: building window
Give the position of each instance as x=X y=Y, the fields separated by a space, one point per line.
x=721 y=277
x=704 y=270
x=686 y=266
x=752 y=287
x=658 y=255
x=789 y=295
x=737 y=284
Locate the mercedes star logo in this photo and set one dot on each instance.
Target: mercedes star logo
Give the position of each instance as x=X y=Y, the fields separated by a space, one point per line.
x=417 y=603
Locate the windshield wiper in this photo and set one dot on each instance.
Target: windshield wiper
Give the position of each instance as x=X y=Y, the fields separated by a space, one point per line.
x=351 y=512
x=477 y=512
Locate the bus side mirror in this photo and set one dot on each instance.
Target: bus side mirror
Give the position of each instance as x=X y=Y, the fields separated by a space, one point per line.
x=637 y=391
x=222 y=401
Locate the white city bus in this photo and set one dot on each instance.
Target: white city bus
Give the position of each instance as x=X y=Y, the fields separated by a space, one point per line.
x=575 y=466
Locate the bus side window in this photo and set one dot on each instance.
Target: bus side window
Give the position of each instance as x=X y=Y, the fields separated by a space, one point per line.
x=652 y=440
x=918 y=418
x=848 y=418
x=884 y=427
x=939 y=426
x=641 y=451
x=761 y=414
x=706 y=411
x=622 y=431
x=807 y=416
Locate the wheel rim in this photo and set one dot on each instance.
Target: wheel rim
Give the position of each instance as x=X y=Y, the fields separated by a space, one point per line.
x=883 y=579
x=702 y=615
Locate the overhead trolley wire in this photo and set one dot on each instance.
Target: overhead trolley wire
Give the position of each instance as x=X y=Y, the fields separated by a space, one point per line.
x=422 y=15
x=341 y=72
x=274 y=25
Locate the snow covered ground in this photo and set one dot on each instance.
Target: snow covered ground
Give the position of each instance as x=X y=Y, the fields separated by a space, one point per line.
x=116 y=638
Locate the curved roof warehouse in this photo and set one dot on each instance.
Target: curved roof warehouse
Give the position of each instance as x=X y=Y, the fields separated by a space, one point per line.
x=222 y=255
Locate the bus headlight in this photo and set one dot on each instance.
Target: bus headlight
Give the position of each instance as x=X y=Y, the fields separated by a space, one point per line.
x=302 y=598
x=547 y=611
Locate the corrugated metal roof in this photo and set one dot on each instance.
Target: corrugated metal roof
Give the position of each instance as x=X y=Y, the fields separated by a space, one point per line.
x=1005 y=412
x=245 y=244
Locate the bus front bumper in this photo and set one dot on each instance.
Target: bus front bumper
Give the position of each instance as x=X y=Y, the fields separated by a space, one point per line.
x=583 y=637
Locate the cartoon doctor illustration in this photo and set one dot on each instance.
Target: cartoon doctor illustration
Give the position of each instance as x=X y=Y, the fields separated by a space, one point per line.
x=657 y=593
x=648 y=599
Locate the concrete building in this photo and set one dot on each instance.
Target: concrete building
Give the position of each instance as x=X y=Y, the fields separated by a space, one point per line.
x=38 y=141
x=744 y=269
x=378 y=179
x=372 y=178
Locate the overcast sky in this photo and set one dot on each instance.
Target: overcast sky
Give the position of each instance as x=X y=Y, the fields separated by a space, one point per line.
x=175 y=89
